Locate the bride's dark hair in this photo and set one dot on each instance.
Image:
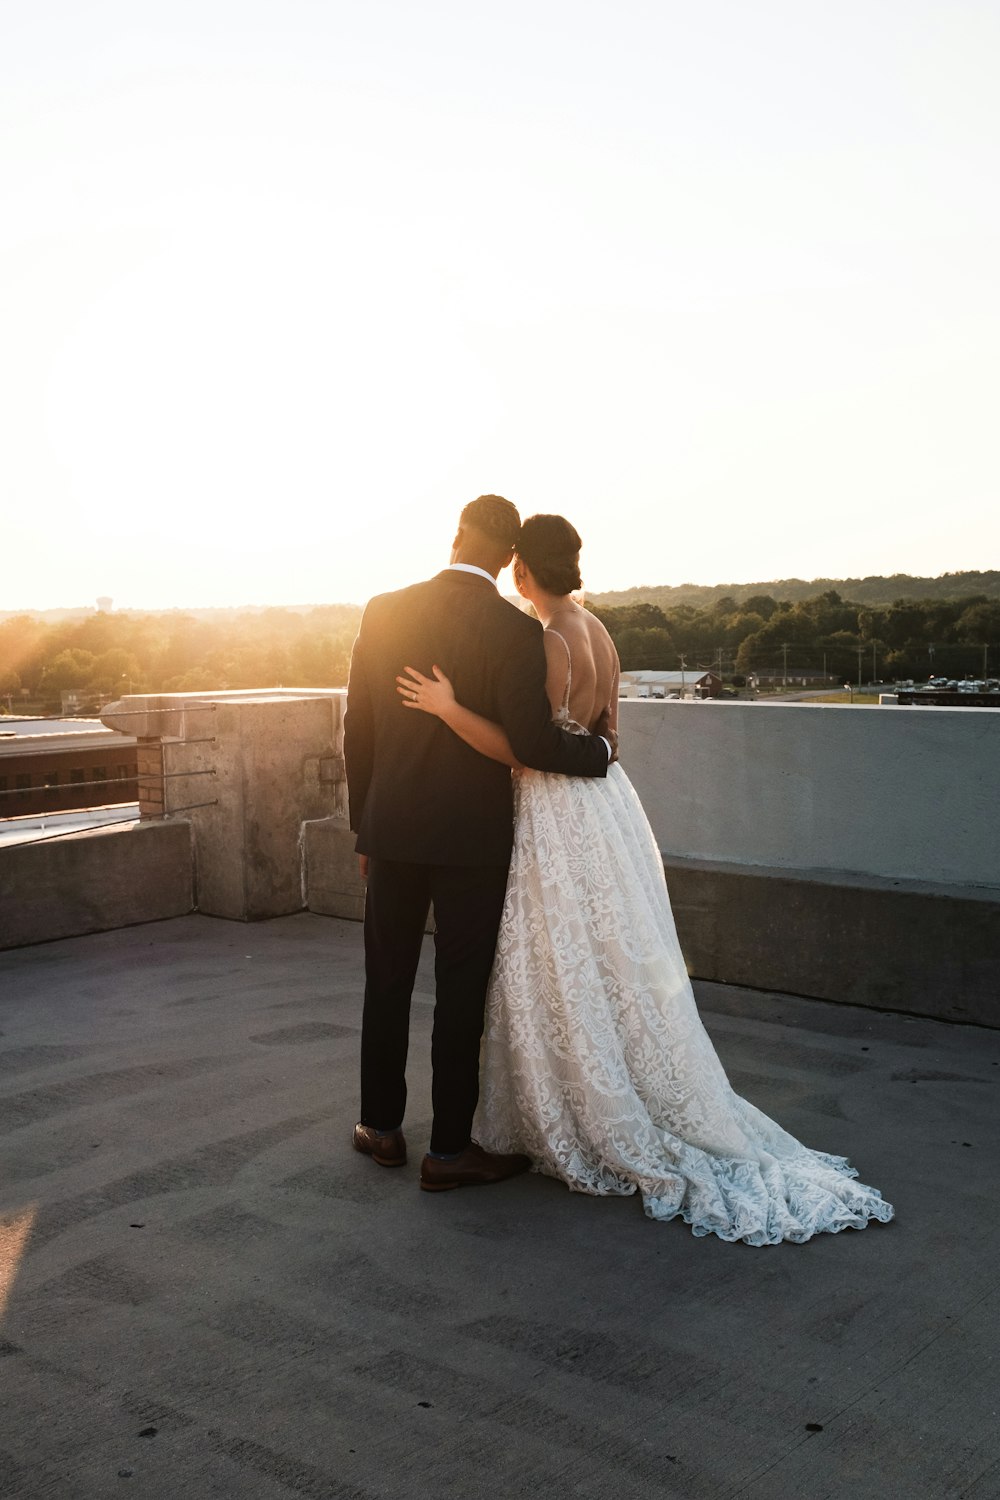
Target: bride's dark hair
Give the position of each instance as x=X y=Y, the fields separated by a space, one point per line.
x=551 y=548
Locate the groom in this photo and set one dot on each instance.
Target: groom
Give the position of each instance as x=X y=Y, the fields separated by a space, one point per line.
x=434 y=821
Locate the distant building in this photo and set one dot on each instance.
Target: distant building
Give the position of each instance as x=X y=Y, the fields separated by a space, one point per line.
x=691 y=683
x=52 y=765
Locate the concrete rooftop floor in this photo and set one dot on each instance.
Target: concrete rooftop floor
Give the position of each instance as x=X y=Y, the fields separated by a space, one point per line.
x=211 y=1294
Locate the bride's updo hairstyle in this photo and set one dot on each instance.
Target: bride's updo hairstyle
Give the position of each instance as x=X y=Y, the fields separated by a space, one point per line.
x=551 y=548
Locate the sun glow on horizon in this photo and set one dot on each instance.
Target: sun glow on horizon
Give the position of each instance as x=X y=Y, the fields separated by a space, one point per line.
x=284 y=289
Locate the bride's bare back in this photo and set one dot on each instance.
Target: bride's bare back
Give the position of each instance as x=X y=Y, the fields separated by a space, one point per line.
x=592 y=662
x=577 y=649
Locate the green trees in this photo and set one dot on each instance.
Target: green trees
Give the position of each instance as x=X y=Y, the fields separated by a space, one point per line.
x=822 y=635
x=106 y=655
x=645 y=650
x=116 y=671
x=980 y=623
x=760 y=604
x=10 y=687
x=69 y=669
x=876 y=590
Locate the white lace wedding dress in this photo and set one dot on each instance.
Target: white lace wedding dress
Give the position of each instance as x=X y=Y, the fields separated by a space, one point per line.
x=596 y=1063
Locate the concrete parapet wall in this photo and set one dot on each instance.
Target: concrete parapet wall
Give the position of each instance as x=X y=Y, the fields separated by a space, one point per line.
x=891 y=792
x=932 y=950
x=330 y=881
x=94 y=882
x=247 y=769
x=331 y=884
x=843 y=853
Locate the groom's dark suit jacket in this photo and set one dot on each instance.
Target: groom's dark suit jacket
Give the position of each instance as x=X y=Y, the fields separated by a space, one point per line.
x=417 y=792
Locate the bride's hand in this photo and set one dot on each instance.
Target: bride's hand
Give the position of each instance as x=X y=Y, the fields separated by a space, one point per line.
x=434 y=695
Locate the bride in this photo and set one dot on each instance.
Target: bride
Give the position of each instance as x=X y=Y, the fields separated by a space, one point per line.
x=596 y=1063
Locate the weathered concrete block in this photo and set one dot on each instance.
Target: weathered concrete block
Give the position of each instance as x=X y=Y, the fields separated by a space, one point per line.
x=331 y=884
x=94 y=882
x=913 y=946
x=247 y=768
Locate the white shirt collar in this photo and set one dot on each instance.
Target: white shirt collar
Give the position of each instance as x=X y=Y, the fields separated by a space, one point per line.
x=471 y=568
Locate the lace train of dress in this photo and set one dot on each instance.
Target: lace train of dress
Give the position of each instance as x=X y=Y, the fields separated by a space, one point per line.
x=596 y=1063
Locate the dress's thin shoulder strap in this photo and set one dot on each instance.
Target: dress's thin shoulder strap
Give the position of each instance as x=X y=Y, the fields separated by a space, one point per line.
x=569 y=666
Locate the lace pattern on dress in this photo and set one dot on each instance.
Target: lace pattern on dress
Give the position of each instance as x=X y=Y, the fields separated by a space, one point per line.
x=596 y=1062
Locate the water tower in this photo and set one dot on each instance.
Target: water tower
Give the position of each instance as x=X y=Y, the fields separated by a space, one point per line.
x=104 y=604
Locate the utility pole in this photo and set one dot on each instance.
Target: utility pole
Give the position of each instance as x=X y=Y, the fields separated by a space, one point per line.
x=860 y=654
x=986 y=651
x=873 y=661
x=784 y=669
x=683 y=670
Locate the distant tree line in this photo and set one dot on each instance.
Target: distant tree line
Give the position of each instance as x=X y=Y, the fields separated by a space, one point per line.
x=911 y=638
x=103 y=655
x=106 y=654
x=874 y=590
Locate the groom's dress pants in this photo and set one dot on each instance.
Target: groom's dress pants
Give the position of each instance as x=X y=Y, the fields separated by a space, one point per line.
x=468 y=901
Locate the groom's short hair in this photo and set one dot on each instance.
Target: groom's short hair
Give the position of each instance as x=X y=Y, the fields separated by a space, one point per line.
x=493 y=517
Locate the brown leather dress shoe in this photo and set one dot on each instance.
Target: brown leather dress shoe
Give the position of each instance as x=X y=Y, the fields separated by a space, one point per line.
x=388 y=1150
x=473 y=1167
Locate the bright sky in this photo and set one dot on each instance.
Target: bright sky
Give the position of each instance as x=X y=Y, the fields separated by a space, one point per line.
x=284 y=283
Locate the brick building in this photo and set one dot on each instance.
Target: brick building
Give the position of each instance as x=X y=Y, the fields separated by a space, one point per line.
x=55 y=765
